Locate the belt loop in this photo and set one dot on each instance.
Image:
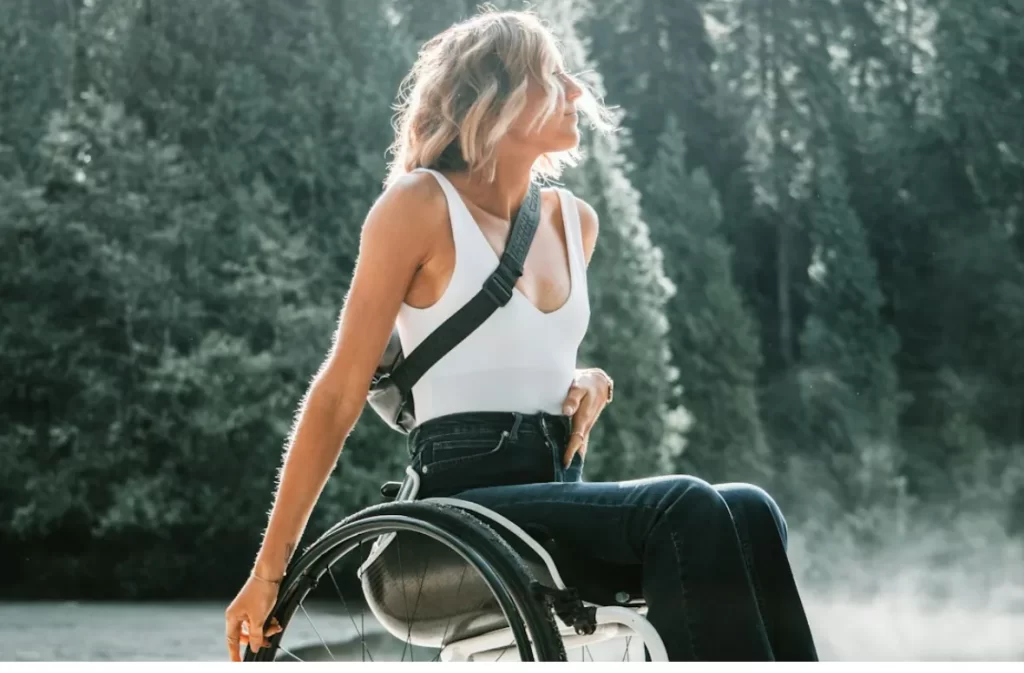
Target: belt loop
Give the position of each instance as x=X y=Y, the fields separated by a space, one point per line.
x=512 y=435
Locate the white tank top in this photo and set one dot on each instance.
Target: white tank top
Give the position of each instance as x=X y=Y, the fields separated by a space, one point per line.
x=521 y=359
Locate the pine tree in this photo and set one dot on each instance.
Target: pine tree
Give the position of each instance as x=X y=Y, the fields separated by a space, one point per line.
x=34 y=73
x=423 y=20
x=847 y=381
x=713 y=338
x=214 y=218
x=657 y=59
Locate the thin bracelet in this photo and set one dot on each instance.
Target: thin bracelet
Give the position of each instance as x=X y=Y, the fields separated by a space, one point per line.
x=263 y=579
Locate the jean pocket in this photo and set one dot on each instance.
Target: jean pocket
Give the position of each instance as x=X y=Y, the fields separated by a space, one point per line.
x=446 y=453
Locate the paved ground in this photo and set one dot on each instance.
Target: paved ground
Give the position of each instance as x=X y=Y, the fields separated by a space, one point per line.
x=884 y=629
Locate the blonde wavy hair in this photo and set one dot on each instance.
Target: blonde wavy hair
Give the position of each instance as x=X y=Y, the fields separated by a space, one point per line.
x=468 y=86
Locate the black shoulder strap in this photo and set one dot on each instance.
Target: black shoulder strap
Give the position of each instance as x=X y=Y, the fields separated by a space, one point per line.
x=496 y=292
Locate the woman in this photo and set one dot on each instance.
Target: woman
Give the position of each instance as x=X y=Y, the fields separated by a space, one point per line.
x=504 y=418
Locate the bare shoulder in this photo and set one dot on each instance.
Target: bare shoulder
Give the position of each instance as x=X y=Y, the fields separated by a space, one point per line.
x=410 y=211
x=397 y=238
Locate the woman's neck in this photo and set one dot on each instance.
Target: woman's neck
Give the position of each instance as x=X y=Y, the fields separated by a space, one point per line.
x=502 y=196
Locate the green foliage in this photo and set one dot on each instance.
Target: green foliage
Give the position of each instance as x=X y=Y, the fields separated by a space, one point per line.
x=845 y=334
x=713 y=339
x=812 y=230
x=875 y=214
x=34 y=76
x=160 y=335
x=193 y=232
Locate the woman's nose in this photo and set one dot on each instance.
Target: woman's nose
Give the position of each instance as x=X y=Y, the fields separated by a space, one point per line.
x=572 y=88
x=573 y=91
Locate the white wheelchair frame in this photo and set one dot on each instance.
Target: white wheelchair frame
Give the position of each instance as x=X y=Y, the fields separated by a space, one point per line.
x=613 y=621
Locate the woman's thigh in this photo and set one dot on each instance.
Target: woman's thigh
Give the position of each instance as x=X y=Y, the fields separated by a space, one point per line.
x=610 y=521
x=677 y=531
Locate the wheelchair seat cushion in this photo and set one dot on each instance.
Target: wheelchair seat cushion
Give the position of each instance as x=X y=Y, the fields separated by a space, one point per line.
x=425 y=592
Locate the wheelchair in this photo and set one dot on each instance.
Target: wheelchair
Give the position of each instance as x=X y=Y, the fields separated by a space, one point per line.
x=450 y=580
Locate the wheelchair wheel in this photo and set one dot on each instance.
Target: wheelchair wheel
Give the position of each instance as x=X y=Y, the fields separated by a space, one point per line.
x=411 y=581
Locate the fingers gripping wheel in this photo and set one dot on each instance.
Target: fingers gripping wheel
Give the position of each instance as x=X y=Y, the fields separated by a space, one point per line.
x=438 y=581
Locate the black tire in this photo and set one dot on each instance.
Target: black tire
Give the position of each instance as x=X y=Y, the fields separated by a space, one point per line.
x=499 y=566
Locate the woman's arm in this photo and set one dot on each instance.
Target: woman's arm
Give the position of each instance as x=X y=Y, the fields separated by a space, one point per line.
x=394 y=244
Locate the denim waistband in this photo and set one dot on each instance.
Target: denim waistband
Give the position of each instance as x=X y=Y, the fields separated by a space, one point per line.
x=556 y=424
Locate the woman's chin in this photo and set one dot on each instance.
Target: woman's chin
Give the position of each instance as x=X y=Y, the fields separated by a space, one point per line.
x=569 y=142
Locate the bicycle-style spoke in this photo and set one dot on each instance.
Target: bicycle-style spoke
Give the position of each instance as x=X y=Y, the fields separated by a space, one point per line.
x=511 y=645
x=317 y=631
x=361 y=630
x=290 y=654
x=412 y=617
x=447 y=626
x=362 y=615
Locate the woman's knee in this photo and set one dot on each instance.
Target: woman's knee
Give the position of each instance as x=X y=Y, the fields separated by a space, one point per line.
x=692 y=497
x=755 y=502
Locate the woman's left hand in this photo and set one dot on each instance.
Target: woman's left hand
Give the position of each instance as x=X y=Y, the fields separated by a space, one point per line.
x=590 y=392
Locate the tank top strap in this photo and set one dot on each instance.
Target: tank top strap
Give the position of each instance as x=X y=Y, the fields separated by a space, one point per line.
x=458 y=215
x=450 y=192
x=573 y=235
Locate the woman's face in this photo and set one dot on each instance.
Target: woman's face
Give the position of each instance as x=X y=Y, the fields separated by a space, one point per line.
x=561 y=131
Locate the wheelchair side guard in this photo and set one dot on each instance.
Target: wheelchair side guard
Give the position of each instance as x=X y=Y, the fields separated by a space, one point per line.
x=564 y=601
x=499 y=520
x=409 y=488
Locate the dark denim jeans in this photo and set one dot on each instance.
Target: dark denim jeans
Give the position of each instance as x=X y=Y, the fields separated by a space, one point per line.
x=712 y=559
